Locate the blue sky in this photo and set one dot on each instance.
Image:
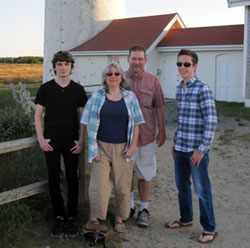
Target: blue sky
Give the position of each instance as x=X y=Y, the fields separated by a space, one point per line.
x=22 y=21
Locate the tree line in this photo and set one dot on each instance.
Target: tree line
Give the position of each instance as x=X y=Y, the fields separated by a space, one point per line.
x=22 y=60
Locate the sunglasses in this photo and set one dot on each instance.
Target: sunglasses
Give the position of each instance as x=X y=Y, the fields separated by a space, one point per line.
x=186 y=64
x=117 y=74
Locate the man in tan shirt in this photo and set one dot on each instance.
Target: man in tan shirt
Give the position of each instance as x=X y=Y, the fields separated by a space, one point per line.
x=147 y=89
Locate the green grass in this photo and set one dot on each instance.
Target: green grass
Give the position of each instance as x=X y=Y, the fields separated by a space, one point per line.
x=234 y=109
x=6 y=99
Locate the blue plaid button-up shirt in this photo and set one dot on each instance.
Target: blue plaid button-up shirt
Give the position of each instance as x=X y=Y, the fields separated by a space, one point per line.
x=91 y=117
x=197 y=117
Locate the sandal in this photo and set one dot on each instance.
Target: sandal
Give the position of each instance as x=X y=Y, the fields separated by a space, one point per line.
x=177 y=224
x=120 y=227
x=94 y=222
x=204 y=234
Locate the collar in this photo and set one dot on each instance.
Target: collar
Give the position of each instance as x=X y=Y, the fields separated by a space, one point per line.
x=132 y=76
x=124 y=92
x=190 y=82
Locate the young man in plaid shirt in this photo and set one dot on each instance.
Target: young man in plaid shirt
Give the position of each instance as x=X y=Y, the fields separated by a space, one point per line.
x=197 y=122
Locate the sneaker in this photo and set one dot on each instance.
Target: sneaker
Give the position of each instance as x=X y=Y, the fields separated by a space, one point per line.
x=71 y=229
x=58 y=229
x=132 y=212
x=143 y=218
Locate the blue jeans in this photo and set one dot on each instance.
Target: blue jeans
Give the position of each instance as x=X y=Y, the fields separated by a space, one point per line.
x=202 y=187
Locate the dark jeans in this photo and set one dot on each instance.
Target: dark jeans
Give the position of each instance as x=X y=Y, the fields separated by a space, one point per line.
x=53 y=160
x=202 y=187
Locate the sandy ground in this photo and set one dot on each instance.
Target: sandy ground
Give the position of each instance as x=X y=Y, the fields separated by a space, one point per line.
x=229 y=172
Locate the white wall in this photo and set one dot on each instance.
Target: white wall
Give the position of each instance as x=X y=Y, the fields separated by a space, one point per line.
x=206 y=71
x=88 y=69
x=153 y=64
x=69 y=23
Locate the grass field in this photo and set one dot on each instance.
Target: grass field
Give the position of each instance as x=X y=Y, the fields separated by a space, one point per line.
x=235 y=109
x=26 y=73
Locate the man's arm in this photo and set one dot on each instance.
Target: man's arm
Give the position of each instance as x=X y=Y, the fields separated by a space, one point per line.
x=161 y=137
x=44 y=143
x=130 y=151
x=208 y=110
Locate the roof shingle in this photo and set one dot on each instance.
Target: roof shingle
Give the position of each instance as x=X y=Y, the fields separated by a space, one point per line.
x=204 y=36
x=121 y=34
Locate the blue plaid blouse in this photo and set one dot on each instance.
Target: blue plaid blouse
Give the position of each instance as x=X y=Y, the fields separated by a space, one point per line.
x=91 y=117
x=197 y=117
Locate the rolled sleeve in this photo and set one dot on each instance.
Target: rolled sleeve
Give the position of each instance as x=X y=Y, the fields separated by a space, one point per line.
x=138 y=116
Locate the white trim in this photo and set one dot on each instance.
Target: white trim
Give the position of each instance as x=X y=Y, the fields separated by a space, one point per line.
x=162 y=49
x=245 y=54
x=237 y=3
x=98 y=53
x=247 y=102
x=180 y=21
x=202 y=48
x=165 y=31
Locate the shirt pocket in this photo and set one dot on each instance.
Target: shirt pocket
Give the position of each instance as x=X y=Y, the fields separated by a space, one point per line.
x=192 y=98
x=146 y=97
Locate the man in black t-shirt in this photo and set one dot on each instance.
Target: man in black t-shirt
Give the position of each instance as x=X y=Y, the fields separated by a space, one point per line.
x=63 y=101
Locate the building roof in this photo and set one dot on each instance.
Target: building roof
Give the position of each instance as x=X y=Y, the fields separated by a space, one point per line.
x=121 y=34
x=161 y=31
x=204 y=36
x=237 y=3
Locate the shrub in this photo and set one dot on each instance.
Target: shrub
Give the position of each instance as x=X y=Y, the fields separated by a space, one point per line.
x=6 y=99
x=19 y=168
x=15 y=124
x=16 y=215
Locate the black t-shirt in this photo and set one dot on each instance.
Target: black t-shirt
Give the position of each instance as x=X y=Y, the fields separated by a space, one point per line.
x=61 y=121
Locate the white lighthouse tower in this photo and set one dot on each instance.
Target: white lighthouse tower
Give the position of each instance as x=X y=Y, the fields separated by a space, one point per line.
x=69 y=23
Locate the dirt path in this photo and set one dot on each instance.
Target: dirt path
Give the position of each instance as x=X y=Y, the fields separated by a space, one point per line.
x=230 y=176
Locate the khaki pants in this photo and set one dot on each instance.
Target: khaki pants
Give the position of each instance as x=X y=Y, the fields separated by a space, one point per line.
x=113 y=165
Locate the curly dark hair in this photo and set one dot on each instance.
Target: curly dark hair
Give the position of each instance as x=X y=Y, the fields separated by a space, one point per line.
x=62 y=56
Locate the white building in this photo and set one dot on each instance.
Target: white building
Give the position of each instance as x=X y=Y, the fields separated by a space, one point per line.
x=246 y=56
x=220 y=51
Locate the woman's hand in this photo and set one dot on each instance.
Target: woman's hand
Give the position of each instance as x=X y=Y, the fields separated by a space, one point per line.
x=97 y=158
x=128 y=153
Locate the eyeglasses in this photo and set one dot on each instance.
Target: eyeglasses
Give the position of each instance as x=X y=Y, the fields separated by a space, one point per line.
x=186 y=64
x=139 y=59
x=117 y=74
